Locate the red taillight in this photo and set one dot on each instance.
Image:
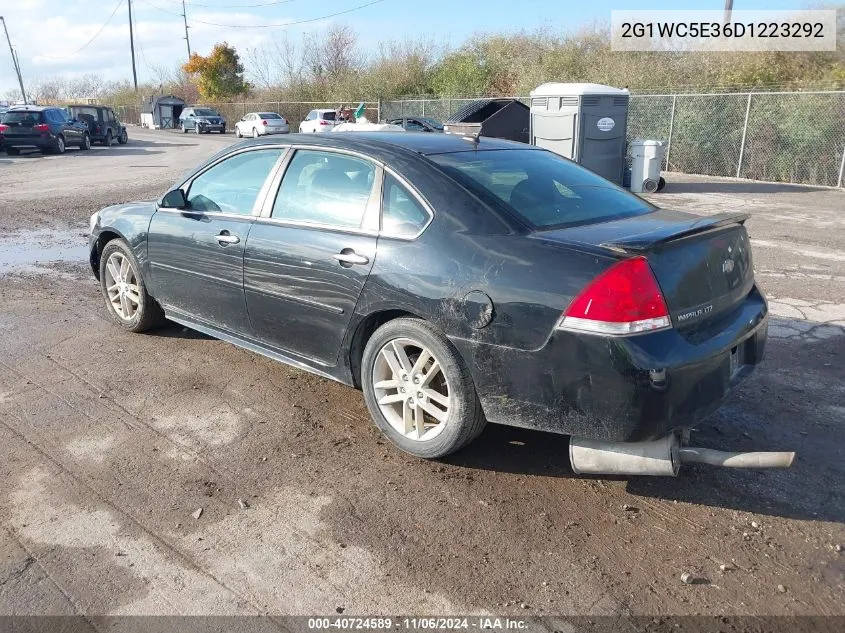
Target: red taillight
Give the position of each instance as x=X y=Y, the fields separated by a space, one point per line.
x=264 y=123
x=41 y=127
x=323 y=122
x=625 y=299
x=3 y=128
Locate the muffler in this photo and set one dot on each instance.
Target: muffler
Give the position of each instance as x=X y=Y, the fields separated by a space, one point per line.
x=660 y=457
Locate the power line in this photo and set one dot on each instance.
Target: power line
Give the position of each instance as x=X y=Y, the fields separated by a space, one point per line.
x=236 y=6
x=88 y=43
x=268 y=26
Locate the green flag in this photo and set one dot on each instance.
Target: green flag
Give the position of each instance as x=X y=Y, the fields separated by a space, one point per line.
x=359 y=111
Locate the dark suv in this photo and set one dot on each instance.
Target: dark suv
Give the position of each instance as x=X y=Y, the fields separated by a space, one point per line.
x=202 y=119
x=43 y=127
x=103 y=124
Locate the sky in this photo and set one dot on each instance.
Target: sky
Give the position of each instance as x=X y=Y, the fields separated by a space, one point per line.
x=73 y=37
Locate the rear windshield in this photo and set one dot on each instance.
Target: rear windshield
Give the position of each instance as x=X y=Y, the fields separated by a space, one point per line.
x=269 y=115
x=204 y=112
x=93 y=112
x=542 y=188
x=327 y=116
x=22 y=118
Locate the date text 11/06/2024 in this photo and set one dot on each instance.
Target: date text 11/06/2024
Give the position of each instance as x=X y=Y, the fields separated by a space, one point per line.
x=417 y=624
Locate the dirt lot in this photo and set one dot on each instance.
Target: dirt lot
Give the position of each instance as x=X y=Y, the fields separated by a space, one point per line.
x=110 y=443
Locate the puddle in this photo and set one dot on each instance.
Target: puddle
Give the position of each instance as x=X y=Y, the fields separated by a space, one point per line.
x=29 y=251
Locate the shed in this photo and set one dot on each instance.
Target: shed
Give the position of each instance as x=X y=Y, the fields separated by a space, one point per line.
x=498 y=118
x=161 y=111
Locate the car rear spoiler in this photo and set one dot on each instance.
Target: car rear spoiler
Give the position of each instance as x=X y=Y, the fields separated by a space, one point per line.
x=649 y=240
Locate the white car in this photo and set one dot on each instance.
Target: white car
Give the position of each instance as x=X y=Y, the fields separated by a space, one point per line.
x=319 y=121
x=257 y=124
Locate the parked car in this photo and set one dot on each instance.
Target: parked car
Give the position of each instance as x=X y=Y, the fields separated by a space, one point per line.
x=103 y=124
x=419 y=124
x=454 y=281
x=43 y=127
x=318 y=121
x=201 y=119
x=257 y=124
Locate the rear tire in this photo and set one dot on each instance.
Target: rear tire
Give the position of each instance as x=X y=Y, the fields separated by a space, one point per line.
x=124 y=290
x=184 y=129
x=442 y=385
x=254 y=132
x=109 y=139
x=12 y=151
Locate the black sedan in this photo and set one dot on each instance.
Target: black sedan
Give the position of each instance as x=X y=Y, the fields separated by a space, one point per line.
x=41 y=127
x=454 y=281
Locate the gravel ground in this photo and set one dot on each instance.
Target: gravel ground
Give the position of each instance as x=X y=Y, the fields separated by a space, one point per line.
x=110 y=443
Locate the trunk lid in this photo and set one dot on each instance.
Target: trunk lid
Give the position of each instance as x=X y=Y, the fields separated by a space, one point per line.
x=702 y=264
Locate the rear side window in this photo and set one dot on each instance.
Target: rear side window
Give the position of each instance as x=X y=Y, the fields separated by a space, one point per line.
x=327 y=116
x=402 y=214
x=542 y=188
x=325 y=188
x=24 y=119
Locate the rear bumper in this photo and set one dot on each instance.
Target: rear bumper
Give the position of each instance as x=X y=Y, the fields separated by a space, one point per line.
x=45 y=141
x=620 y=388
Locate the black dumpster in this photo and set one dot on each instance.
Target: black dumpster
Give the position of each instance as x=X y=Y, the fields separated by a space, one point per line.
x=498 y=118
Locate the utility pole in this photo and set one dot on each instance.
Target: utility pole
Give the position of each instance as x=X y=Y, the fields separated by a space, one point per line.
x=185 y=19
x=132 y=45
x=14 y=60
x=729 y=7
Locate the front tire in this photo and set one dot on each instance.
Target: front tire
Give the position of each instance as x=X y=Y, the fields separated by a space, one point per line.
x=108 y=141
x=418 y=390
x=123 y=139
x=238 y=132
x=124 y=290
x=12 y=151
x=184 y=129
x=60 y=145
x=86 y=142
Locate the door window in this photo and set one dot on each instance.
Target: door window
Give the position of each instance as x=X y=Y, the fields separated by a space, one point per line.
x=402 y=214
x=311 y=115
x=325 y=188
x=232 y=185
x=414 y=126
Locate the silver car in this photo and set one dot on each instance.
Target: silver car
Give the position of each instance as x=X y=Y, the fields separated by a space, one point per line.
x=257 y=124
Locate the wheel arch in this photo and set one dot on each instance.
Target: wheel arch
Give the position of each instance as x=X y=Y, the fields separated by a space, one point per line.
x=365 y=328
x=105 y=236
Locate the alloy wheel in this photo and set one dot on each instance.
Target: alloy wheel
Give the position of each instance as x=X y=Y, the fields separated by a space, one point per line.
x=122 y=286
x=411 y=389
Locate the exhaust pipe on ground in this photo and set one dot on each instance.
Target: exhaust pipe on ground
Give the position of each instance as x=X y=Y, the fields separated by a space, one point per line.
x=660 y=457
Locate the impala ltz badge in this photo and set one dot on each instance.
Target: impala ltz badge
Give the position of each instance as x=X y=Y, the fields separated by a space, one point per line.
x=694 y=314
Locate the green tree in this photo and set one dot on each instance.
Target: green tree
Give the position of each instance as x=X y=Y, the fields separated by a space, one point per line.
x=220 y=75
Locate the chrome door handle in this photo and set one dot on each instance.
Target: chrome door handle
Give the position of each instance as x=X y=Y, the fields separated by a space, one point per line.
x=225 y=238
x=351 y=258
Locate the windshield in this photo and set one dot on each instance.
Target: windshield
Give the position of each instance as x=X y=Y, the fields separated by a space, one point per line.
x=205 y=112
x=437 y=125
x=269 y=115
x=544 y=189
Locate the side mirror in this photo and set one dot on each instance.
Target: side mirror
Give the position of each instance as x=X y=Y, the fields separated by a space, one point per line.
x=175 y=199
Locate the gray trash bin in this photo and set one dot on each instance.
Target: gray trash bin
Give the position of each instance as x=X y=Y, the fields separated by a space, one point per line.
x=646 y=163
x=583 y=122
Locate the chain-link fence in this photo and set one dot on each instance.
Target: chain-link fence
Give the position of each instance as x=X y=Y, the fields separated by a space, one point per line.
x=796 y=137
